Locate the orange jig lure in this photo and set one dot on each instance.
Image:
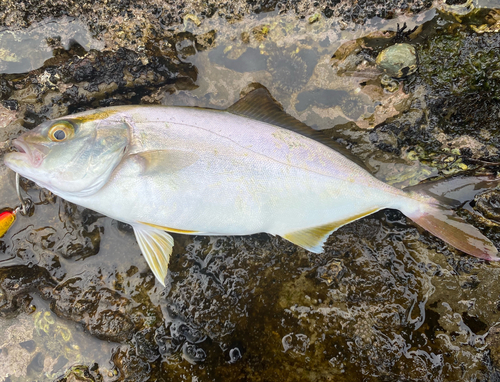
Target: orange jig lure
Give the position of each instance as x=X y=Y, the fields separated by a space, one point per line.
x=7 y=218
x=8 y=215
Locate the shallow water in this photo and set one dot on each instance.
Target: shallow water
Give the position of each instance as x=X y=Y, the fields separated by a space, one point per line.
x=28 y=49
x=385 y=301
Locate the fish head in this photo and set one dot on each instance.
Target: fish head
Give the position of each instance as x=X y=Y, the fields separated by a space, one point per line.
x=74 y=155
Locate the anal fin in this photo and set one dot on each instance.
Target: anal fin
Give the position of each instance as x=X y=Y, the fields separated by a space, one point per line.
x=314 y=238
x=156 y=246
x=311 y=239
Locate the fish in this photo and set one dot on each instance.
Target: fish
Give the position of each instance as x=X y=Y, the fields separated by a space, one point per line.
x=249 y=169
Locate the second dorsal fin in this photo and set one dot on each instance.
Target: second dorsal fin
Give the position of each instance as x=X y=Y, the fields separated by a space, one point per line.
x=260 y=105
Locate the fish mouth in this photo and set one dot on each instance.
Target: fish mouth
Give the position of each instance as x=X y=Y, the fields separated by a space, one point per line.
x=20 y=146
x=26 y=155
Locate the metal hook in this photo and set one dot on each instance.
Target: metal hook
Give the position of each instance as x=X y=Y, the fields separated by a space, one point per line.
x=26 y=204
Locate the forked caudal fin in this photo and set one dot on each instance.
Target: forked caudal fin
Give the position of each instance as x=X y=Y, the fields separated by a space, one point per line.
x=449 y=227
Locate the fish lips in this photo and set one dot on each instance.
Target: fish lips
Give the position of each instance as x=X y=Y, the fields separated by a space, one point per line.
x=29 y=155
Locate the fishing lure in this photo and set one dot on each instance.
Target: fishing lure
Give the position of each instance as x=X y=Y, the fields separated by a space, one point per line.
x=8 y=215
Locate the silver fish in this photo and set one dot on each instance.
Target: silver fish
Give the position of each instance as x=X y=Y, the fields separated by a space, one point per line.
x=210 y=172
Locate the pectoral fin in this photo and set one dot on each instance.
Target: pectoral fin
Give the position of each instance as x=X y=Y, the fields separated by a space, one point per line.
x=164 y=161
x=156 y=246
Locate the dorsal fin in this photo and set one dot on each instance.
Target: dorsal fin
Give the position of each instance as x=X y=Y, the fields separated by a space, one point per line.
x=259 y=104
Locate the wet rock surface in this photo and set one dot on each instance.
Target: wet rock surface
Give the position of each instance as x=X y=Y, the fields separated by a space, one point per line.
x=126 y=20
x=385 y=301
x=17 y=282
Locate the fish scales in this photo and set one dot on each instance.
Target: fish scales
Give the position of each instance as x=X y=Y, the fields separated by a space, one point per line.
x=238 y=158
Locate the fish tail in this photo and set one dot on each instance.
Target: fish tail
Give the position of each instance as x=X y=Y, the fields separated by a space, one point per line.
x=449 y=227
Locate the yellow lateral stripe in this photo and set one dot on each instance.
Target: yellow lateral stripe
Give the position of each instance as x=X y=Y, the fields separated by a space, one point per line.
x=95 y=116
x=169 y=229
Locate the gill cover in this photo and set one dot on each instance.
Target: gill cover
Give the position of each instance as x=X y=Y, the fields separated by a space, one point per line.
x=82 y=159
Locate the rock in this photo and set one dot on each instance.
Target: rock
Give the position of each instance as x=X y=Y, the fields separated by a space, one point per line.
x=398 y=60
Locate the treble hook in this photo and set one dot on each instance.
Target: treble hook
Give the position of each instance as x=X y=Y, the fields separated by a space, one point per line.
x=26 y=204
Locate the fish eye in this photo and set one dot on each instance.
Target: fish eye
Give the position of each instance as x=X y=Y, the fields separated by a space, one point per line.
x=61 y=131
